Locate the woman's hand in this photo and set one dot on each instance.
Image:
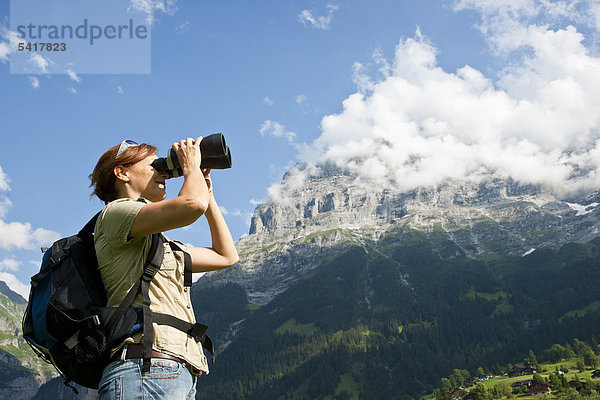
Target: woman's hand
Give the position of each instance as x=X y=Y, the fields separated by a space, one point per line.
x=191 y=202
x=207 y=178
x=188 y=153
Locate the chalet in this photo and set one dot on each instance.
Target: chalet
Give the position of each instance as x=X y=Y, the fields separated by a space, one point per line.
x=520 y=369
x=517 y=386
x=539 y=389
x=522 y=383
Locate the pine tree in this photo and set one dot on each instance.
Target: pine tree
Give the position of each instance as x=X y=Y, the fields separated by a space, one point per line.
x=532 y=359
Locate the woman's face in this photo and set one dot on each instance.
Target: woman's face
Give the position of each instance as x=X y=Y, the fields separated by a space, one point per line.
x=146 y=181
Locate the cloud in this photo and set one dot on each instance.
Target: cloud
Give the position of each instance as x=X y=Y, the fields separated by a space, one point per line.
x=14 y=284
x=256 y=202
x=152 y=7
x=275 y=129
x=322 y=22
x=22 y=236
x=73 y=76
x=4 y=181
x=268 y=101
x=17 y=234
x=120 y=90
x=184 y=27
x=11 y=42
x=10 y=264
x=72 y=90
x=414 y=124
x=4 y=51
x=40 y=63
x=5 y=205
x=300 y=99
x=35 y=82
x=505 y=23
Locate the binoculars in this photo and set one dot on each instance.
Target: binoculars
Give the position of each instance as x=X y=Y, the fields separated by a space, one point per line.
x=213 y=150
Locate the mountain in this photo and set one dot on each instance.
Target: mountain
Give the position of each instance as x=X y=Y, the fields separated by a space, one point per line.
x=21 y=371
x=290 y=235
x=342 y=292
x=12 y=296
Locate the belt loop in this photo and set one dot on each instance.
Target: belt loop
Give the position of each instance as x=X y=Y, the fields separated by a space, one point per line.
x=124 y=352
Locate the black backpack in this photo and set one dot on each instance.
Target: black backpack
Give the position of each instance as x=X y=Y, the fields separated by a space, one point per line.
x=67 y=322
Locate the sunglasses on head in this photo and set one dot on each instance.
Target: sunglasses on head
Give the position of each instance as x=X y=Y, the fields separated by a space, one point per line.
x=125 y=144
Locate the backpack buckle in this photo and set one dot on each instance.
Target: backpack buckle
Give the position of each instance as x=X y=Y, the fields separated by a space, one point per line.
x=198 y=331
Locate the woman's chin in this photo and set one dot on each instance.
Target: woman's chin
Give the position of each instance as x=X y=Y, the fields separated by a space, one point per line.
x=156 y=197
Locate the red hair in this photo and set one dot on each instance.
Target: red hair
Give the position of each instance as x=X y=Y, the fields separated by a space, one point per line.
x=103 y=177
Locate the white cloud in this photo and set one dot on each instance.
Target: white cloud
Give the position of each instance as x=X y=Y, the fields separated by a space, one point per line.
x=256 y=202
x=4 y=51
x=416 y=124
x=35 y=82
x=73 y=75
x=275 y=129
x=300 y=99
x=151 y=7
x=17 y=234
x=5 y=205
x=72 y=90
x=22 y=236
x=10 y=264
x=246 y=216
x=4 y=181
x=322 y=22
x=268 y=101
x=120 y=90
x=11 y=42
x=504 y=23
x=14 y=284
x=40 y=63
x=184 y=27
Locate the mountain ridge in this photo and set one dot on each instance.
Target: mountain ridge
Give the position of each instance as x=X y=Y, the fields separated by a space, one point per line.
x=12 y=295
x=330 y=210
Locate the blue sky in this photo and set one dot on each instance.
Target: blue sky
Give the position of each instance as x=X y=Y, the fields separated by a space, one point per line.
x=276 y=78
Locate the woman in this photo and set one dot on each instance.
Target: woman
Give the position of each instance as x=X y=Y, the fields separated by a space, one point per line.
x=134 y=194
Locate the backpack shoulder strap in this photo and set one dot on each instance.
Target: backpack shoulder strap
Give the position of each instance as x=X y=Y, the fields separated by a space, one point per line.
x=151 y=267
x=187 y=266
x=88 y=229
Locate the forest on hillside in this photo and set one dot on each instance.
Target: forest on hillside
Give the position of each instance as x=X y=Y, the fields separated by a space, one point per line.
x=390 y=318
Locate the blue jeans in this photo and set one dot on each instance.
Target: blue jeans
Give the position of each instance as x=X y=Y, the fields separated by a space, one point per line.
x=167 y=380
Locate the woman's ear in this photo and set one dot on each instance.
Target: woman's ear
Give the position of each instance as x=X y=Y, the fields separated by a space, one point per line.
x=121 y=173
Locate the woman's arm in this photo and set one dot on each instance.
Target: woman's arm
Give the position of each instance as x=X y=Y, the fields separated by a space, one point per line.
x=222 y=254
x=191 y=202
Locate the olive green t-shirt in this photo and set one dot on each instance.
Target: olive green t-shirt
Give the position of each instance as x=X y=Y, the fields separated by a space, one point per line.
x=121 y=260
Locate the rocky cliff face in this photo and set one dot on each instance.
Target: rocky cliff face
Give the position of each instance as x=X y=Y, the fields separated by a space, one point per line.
x=290 y=235
x=21 y=371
